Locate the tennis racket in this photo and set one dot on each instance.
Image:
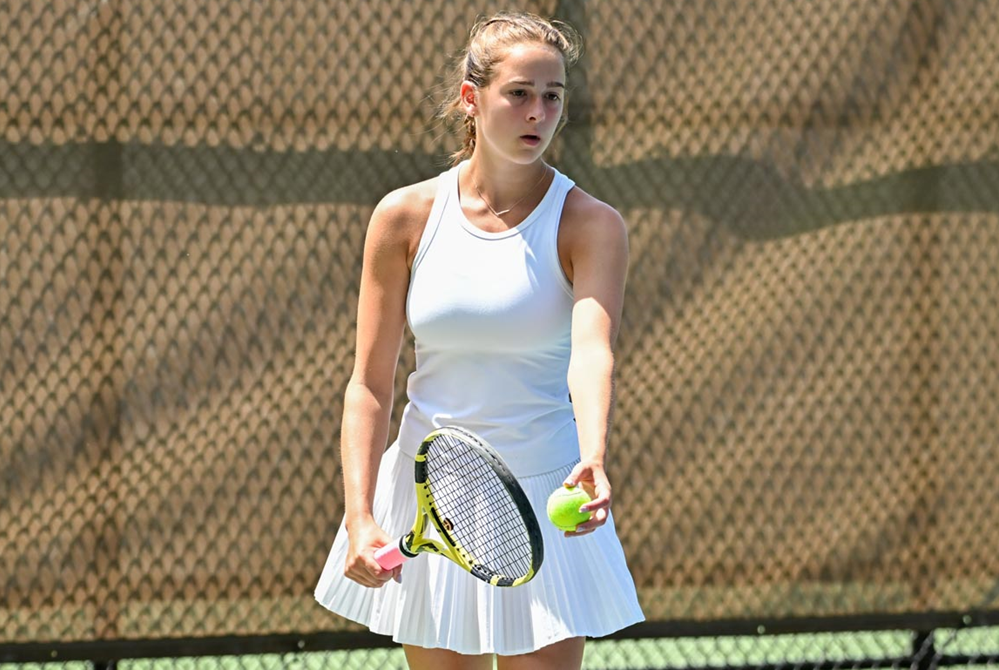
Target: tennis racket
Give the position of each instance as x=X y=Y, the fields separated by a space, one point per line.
x=466 y=493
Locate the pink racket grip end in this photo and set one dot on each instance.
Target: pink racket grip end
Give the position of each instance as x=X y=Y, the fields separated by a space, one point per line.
x=390 y=556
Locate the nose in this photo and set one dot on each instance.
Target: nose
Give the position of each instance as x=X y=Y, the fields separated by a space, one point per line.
x=536 y=112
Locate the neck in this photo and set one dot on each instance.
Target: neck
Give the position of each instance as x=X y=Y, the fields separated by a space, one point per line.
x=503 y=184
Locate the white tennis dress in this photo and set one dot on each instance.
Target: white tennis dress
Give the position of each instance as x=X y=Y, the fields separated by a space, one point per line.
x=491 y=315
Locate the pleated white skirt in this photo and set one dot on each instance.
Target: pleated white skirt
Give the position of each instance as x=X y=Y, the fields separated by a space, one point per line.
x=583 y=588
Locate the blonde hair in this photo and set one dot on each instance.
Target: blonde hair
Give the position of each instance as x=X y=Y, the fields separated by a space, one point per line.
x=488 y=41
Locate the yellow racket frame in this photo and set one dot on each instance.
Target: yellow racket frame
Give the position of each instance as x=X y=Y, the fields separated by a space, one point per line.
x=415 y=542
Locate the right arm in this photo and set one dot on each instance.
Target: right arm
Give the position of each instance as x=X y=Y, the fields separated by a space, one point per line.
x=381 y=316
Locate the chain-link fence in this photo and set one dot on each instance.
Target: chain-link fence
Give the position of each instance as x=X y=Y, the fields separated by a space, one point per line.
x=808 y=364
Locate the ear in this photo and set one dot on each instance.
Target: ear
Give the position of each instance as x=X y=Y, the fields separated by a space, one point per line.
x=469 y=98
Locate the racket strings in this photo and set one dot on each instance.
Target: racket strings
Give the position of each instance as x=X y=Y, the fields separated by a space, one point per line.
x=472 y=499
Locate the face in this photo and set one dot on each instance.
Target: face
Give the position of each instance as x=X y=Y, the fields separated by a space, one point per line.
x=517 y=113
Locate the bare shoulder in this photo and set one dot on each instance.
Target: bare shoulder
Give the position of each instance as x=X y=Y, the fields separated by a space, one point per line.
x=400 y=217
x=408 y=202
x=585 y=219
x=591 y=232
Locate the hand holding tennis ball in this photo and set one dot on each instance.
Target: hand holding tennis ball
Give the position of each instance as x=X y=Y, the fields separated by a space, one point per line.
x=563 y=507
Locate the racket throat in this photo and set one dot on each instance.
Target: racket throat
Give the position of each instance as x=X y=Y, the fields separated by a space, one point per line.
x=405 y=543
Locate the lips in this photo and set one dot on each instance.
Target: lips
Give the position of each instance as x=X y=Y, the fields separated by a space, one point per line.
x=531 y=139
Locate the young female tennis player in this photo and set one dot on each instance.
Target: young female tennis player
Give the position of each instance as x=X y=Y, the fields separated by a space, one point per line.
x=512 y=281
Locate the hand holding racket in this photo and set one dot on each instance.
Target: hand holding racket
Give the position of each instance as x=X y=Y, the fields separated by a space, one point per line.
x=365 y=538
x=466 y=493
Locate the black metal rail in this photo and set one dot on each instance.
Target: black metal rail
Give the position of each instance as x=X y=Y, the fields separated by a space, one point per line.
x=923 y=654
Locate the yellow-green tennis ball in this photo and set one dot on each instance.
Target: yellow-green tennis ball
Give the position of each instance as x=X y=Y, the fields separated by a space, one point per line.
x=563 y=507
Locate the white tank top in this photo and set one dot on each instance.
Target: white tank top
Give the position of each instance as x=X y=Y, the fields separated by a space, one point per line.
x=491 y=315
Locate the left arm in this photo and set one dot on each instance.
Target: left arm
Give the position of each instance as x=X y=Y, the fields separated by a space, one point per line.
x=598 y=255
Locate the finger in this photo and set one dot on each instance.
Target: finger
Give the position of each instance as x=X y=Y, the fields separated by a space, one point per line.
x=598 y=519
x=372 y=565
x=367 y=572
x=598 y=503
x=573 y=478
x=364 y=580
x=381 y=575
x=584 y=528
x=376 y=581
x=362 y=573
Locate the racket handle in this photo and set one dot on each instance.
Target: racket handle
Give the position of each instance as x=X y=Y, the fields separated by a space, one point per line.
x=390 y=556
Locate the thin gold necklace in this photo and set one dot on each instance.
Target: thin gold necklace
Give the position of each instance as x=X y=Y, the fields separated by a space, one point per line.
x=544 y=174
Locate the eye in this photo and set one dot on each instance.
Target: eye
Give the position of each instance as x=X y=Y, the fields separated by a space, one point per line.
x=554 y=96
x=518 y=93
